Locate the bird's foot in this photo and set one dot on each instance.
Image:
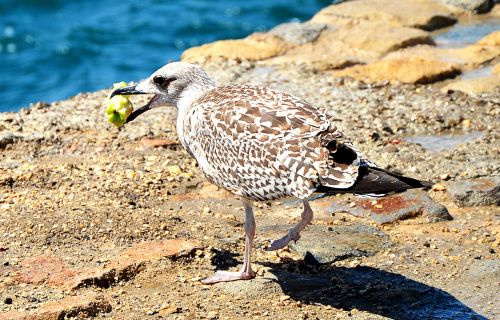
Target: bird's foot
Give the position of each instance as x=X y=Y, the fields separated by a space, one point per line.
x=281 y=243
x=225 y=276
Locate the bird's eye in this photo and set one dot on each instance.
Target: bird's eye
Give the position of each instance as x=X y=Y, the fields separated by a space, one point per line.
x=163 y=82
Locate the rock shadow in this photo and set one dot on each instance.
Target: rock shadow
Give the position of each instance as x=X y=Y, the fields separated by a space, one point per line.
x=223 y=259
x=368 y=289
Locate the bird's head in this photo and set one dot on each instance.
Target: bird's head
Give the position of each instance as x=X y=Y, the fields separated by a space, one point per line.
x=170 y=85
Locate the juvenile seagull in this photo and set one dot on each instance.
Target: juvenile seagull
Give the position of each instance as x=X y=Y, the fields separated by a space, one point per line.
x=261 y=144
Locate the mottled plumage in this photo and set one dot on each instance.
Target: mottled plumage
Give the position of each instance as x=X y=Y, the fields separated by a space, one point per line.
x=261 y=144
x=264 y=144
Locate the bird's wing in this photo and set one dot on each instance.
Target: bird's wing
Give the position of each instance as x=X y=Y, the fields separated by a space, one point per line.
x=262 y=113
x=299 y=137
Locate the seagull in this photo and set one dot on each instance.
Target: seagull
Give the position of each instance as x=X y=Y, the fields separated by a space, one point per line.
x=262 y=144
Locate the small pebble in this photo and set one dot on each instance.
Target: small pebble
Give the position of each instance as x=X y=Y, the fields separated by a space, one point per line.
x=444 y=176
x=467 y=123
x=439 y=187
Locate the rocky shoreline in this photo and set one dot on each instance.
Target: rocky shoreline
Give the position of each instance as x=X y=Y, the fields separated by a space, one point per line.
x=119 y=223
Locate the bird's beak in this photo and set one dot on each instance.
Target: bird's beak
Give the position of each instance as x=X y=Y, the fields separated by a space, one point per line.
x=131 y=90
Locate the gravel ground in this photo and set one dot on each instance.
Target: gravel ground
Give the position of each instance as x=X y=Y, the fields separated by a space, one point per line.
x=73 y=186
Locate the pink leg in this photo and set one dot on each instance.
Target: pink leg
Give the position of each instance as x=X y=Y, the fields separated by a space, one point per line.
x=294 y=233
x=246 y=272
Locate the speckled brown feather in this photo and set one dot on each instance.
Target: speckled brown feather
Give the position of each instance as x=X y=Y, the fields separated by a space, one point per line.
x=264 y=144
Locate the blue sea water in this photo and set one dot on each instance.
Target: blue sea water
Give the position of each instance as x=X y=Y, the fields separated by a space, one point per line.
x=53 y=49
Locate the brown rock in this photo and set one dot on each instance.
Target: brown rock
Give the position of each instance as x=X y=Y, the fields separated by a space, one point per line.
x=326 y=53
x=327 y=244
x=475 y=192
x=410 y=70
x=493 y=39
x=257 y=46
x=256 y=288
x=168 y=309
x=352 y=43
x=470 y=57
x=485 y=50
x=78 y=306
x=496 y=69
x=322 y=55
x=422 y=14
x=84 y=306
x=469 y=6
x=52 y=271
x=439 y=187
x=104 y=277
x=131 y=262
x=409 y=204
x=495 y=12
x=13 y=315
x=297 y=33
x=379 y=37
x=41 y=269
x=474 y=86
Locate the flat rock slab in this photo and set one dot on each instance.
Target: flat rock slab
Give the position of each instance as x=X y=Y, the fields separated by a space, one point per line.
x=52 y=270
x=324 y=54
x=472 y=6
x=298 y=33
x=340 y=46
x=496 y=69
x=423 y=14
x=400 y=206
x=130 y=263
x=258 y=287
x=255 y=47
x=379 y=37
x=84 y=306
x=331 y=243
x=475 y=192
x=465 y=58
x=403 y=70
x=474 y=86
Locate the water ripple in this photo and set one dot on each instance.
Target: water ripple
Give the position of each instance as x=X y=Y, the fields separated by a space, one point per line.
x=53 y=49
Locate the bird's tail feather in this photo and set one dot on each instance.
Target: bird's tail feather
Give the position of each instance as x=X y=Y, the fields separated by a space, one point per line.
x=373 y=180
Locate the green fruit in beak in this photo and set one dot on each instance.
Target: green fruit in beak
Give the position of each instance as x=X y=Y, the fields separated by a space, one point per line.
x=119 y=107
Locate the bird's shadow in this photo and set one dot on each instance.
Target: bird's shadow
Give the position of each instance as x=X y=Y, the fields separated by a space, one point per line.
x=363 y=288
x=373 y=290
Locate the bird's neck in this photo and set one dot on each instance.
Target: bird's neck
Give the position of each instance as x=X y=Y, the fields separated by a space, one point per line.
x=186 y=101
x=191 y=94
